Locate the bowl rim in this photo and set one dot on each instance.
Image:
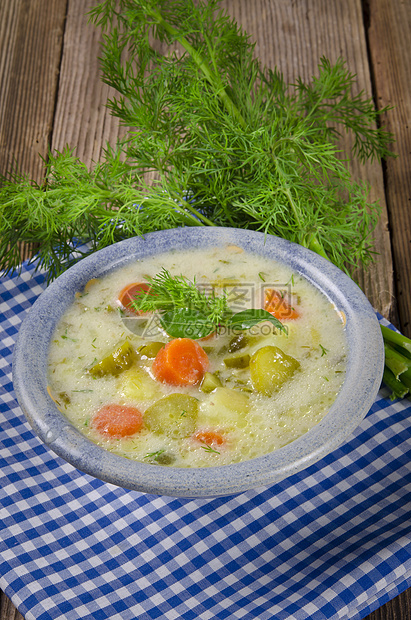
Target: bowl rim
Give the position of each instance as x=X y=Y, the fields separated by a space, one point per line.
x=364 y=370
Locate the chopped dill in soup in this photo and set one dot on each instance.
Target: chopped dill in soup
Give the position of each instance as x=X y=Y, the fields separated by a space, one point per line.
x=197 y=358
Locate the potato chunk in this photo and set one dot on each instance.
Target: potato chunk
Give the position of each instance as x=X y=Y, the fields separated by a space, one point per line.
x=136 y=384
x=225 y=408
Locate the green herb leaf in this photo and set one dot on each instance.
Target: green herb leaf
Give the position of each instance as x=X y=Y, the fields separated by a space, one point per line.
x=208 y=448
x=324 y=351
x=186 y=323
x=248 y=318
x=154 y=455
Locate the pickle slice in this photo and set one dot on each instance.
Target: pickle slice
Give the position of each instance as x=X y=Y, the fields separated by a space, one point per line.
x=270 y=368
x=151 y=349
x=174 y=415
x=237 y=361
x=120 y=359
x=237 y=343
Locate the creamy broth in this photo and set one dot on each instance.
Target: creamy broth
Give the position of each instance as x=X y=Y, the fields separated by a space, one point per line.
x=249 y=421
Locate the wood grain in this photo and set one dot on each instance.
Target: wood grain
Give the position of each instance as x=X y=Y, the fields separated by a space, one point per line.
x=300 y=33
x=7 y=609
x=31 y=36
x=397 y=609
x=31 y=32
x=389 y=41
x=82 y=121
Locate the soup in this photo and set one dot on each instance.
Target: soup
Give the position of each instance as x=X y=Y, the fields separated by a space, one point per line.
x=184 y=401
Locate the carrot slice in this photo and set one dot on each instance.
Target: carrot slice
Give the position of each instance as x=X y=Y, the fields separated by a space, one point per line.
x=117 y=421
x=181 y=362
x=128 y=293
x=277 y=305
x=210 y=438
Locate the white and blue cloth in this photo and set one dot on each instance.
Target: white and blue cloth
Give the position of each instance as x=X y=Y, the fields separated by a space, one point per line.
x=332 y=542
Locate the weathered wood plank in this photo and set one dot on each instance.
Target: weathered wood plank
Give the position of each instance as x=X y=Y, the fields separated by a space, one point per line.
x=82 y=121
x=389 y=41
x=30 y=49
x=398 y=608
x=292 y=36
x=31 y=38
x=7 y=609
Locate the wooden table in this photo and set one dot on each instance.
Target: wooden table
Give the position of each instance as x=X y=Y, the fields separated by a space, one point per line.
x=51 y=95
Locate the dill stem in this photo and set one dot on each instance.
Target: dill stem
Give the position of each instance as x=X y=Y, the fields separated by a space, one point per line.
x=193 y=215
x=287 y=193
x=314 y=245
x=213 y=78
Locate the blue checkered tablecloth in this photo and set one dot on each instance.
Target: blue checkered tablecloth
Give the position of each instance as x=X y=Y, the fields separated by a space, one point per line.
x=332 y=542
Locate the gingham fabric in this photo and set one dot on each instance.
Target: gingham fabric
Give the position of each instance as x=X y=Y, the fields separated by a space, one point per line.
x=332 y=542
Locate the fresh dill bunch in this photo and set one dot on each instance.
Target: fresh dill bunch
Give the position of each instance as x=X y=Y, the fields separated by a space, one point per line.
x=230 y=143
x=249 y=150
x=168 y=293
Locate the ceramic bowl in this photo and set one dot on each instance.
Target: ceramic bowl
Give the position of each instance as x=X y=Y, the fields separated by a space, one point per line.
x=364 y=370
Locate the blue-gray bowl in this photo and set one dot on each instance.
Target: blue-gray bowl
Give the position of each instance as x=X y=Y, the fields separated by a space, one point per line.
x=364 y=370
